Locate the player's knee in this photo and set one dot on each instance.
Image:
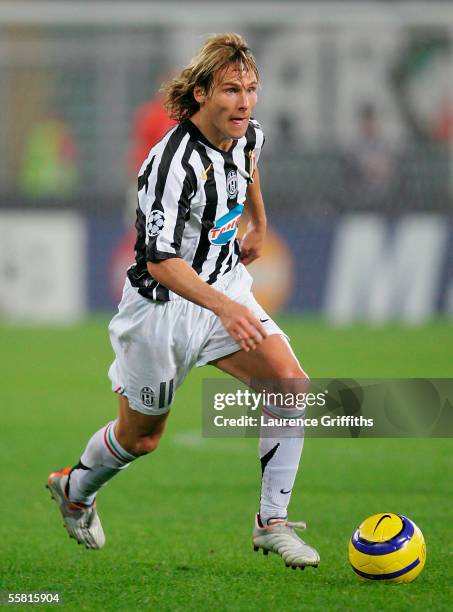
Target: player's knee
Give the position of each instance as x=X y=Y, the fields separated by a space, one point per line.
x=292 y=379
x=146 y=444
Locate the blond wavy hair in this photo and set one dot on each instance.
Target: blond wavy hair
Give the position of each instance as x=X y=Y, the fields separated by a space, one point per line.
x=217 y=53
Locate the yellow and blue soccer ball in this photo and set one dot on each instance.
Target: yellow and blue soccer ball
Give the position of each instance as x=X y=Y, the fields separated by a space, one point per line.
x=387 y=547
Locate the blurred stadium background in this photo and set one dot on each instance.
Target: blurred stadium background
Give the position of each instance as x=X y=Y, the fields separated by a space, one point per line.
x=357 y=106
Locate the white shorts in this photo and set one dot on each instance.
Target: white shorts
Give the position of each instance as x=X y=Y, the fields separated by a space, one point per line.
x=157 y=343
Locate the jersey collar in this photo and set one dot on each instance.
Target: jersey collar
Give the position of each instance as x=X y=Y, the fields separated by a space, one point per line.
x=195 y=133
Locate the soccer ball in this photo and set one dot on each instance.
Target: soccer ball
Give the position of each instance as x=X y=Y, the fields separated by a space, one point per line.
x=387 y=547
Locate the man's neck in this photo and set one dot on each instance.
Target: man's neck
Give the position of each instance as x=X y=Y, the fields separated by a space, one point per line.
x=211 y=133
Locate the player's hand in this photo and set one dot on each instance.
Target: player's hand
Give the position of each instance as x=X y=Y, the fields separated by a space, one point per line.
x=242 y=325
x=252 y=244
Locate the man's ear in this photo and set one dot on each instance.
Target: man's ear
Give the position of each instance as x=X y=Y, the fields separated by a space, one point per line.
x=199 y=94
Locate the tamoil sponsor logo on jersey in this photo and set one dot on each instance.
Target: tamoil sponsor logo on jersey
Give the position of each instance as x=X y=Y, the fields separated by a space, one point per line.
x=226 y=227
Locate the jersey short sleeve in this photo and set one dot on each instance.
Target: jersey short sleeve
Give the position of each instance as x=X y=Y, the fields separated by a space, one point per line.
x=166 y=187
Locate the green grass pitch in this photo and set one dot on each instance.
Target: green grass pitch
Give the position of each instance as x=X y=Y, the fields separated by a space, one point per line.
x=178 y=523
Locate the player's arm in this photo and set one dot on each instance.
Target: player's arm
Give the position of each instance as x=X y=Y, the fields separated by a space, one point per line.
x=237 y=319
x=253 y=240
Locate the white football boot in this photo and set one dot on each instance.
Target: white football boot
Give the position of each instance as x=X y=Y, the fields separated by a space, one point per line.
x=280 y=537
x=81 y=522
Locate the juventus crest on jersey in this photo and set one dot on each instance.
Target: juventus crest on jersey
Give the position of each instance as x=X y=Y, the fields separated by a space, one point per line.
x=190 y=199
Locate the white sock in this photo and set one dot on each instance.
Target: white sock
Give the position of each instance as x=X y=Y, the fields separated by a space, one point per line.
x=102 y=459
x=280 y=450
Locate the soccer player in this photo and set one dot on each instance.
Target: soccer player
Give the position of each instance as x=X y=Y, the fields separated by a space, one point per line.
x=187 y=300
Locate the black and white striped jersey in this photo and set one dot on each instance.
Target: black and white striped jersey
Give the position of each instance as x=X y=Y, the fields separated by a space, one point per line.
x=190 y=199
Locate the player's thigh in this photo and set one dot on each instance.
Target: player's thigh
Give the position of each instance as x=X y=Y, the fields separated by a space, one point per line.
x=151 y=353
x=148 y=380
x=272 y=364
x=220 y=344
x=273 y=360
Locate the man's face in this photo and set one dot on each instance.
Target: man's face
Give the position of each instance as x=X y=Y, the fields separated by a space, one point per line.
x=229 y=103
